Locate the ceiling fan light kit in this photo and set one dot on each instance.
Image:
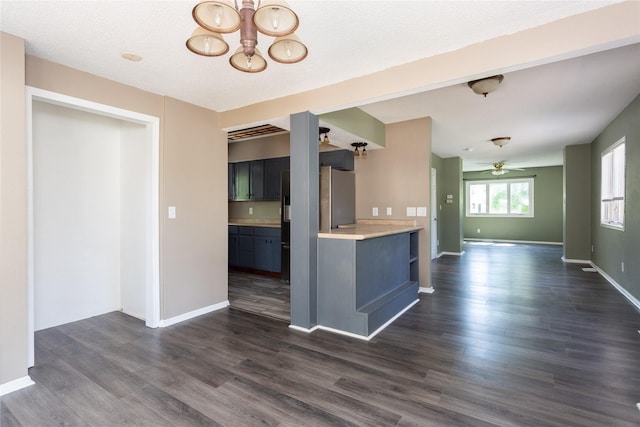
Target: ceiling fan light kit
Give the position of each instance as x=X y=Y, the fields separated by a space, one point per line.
x=486 y=85
x=272 y=17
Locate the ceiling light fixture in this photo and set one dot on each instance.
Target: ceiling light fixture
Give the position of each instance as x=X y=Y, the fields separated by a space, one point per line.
x=272 y=18
x=486 y=85
x=501 y=141
x=358 y=145
x=130 y=56
x=325 y=140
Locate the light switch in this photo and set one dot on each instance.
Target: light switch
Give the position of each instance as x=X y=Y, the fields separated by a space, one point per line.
x=250 y=211
x=172 y=212
x=411 y=211
x=374 y=211
x=389 y=212
x=422 y=211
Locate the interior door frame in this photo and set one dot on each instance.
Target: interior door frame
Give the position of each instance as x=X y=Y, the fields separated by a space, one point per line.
x=152 y=123
x=434 y=213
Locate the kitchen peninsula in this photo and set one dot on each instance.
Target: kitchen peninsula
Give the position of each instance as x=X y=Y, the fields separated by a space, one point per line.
x=367 y=275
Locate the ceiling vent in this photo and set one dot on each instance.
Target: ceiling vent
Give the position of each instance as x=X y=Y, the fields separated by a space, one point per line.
x=254 y=132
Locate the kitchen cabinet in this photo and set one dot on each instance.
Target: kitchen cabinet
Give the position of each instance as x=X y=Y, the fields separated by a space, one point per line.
x=256 y=182
x=272 y=170
x=231 y=167
x=242 y=177
x=233 y=246
x=337 y=159
x=245 y=247
x=266 y=249
x=255 y=247
x=256 y=179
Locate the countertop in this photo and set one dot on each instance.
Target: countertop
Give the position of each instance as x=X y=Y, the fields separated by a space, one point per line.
x=241 y=222
x=368 y=230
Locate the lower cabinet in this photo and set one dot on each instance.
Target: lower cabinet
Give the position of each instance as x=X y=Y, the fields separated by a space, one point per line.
x=233 y=246
x=266 y=249
x=255 y=247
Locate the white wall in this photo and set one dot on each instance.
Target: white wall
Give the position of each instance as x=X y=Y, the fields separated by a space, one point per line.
x=135 y=207
x=89 y=231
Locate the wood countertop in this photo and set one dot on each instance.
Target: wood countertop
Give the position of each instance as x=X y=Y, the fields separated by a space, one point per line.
x=363 y=231
x=254 y=222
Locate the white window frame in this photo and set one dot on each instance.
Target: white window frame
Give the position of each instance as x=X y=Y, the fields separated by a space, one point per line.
x=488 y=183
x=613 y=184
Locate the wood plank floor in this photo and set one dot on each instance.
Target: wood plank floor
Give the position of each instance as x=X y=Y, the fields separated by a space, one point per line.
x=511 y=337
x=264 y=295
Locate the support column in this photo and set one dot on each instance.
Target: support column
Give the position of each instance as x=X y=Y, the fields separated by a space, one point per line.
x=304 y=220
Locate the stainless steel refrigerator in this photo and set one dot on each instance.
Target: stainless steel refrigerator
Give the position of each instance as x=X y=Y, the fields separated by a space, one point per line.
x=337 y=197
x=337 y=207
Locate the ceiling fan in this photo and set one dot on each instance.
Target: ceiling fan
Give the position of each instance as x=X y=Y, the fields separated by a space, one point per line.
x=500 y=169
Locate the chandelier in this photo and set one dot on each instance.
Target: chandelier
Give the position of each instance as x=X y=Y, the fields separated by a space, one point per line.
x=272 y=18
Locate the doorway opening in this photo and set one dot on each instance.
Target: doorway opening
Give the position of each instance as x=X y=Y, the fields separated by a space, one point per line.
x=93 y=212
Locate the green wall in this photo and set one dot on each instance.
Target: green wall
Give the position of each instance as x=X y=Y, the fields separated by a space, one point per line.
x=611 y=247
x=577 y=202
x=451 y=214
x=545 y=226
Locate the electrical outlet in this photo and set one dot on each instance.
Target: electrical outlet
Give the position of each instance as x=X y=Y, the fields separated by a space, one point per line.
x=622 y=266
x=389 y=211
x=411 y=211
x=250 y=211
x=374 y=211
x=592 y=249
x=478 y=230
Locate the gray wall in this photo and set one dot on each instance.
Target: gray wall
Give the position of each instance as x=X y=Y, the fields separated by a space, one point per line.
x=545 y=226
x=611 y=247
x=577 y=202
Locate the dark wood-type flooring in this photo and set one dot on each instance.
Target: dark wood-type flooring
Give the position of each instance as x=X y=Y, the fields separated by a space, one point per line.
x=259 y=294
x=511 y=337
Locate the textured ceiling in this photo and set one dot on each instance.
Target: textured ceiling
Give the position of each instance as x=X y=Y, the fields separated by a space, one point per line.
x=541 y=108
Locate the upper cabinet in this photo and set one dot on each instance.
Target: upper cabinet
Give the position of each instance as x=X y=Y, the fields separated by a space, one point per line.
x=242 y=177
x=260 y=179
x=256 y=179
x=337 y=159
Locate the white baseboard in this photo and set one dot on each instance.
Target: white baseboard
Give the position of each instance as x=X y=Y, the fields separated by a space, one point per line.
x=576 y=261
x=15 y=385
x=301 y=329
x=426 y=290
x=377 y=331
x=531 y=242
x=451 y=253
x=195 y=313
x=633 y=300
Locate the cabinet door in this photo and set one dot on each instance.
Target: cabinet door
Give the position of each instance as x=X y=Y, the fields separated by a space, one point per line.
x=276 y=252
x=262 y=253
x=245 y=251
x=272 y=169
x=231 y=181
x=242 y=178
x=338 y=159
x=233 y=250
x=256 y=182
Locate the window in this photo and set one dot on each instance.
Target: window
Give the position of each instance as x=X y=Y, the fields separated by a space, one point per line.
x=612 y=186
x=506 y=197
